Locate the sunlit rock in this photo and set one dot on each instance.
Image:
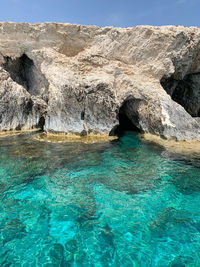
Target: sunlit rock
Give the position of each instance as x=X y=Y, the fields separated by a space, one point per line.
x=80 y=79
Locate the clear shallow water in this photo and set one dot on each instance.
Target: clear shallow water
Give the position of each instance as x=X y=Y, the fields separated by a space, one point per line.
x=123 y=203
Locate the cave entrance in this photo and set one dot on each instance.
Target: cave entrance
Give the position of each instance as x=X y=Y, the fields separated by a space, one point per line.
x=128 y=117
x=23 y=71
x=20 y=70
x=185 y=92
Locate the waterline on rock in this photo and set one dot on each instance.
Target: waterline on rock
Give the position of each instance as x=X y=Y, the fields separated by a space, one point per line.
x=71 y=138
x=183 y=147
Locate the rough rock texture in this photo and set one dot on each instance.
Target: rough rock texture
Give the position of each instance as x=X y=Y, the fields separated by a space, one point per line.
x=76 y=79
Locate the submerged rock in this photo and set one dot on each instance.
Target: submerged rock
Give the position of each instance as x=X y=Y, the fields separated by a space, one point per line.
x=76 y=79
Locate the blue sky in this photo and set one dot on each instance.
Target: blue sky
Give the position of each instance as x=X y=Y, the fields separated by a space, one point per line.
x=121 y=13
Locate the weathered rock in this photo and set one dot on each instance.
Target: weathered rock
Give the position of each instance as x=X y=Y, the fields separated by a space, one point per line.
x=76 y=79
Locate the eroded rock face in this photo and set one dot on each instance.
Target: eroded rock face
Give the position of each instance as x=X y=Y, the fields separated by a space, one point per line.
x=77 y=79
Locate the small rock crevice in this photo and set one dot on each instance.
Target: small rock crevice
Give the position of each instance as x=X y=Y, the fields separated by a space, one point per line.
x=41 y=123
x=23 y=71
x=185 y=92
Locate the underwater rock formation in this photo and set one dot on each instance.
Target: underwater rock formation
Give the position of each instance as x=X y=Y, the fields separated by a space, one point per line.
x=81 y=79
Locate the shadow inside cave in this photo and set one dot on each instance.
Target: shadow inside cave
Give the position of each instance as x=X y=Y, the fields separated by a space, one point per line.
x=23 y=71
x=128 y=118
x=185 y=92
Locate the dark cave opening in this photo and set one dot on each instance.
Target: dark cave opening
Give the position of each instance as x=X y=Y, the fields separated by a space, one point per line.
x=128 y=118
x=20 y=70
x=185 y=92
x=23 y=71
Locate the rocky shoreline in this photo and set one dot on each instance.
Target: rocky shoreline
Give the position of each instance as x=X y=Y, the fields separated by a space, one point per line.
x=88 y=80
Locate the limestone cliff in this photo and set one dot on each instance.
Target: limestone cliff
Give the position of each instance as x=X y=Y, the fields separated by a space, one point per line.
x=78 y=79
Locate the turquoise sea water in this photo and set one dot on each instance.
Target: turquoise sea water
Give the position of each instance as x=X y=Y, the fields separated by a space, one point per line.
x=122 y=203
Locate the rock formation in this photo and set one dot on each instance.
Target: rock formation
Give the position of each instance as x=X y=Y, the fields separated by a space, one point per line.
x=81 y=79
